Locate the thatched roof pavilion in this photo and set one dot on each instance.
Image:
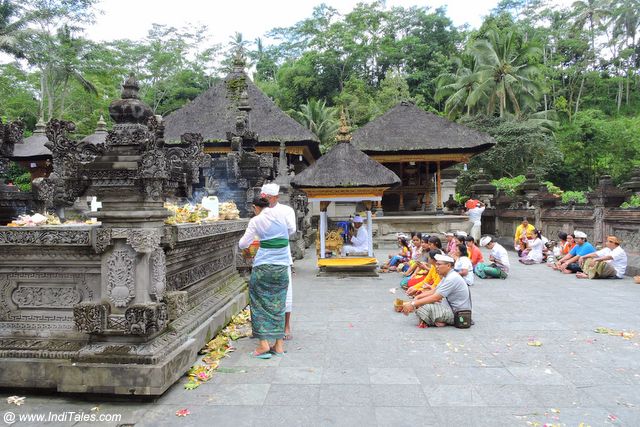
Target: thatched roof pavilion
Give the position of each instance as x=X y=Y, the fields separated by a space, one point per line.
x=31 y=153
x=345 y=174
x=213 y=114
x=416 y=144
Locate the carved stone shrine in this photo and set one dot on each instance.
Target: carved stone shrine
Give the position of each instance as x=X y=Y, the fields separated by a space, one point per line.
x=123 y=306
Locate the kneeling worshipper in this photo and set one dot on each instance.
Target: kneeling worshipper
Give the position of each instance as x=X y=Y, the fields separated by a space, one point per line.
x=533 y=251
x=609 y=262
x=569 y=263
x=437 y=307
x=269 y=278
x=499 y=266
x=429 y=280
x=359 y=238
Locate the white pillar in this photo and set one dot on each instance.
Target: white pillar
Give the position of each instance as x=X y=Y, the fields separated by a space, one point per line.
x=370 y=231
x=323 y=228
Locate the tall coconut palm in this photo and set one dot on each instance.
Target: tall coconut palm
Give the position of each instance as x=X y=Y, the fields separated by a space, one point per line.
x=592 y=12
x=319 y=119
x=10 y=26
x=506 y=80
x=626 y=25
x=455 y=88
x=66 y=68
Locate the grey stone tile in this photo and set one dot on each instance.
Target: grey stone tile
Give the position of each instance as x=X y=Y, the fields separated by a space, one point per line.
x=297 y=375
x=270 y=416
x=243 y=375
x=489 y=375
x=345 y=395
x=538 y=375
x=452 y=395
x=562 y=396
x=293 y=395
x=347 y=375
x=507 y=395
x=612 y=396
x=398 y=395
x=392 y=376
x=301 y=358
x=200 y=415
x=406 y=416
x=347 y=416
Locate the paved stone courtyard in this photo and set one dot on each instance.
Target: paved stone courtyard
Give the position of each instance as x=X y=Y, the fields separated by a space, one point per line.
x=354 y=361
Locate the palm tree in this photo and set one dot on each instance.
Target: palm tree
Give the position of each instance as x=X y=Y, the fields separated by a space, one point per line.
x=626 y=23
x=506 y=80
x=592 y=12
x=319 y=119
x=10 y=26
x=66 y=68
x=455 y=88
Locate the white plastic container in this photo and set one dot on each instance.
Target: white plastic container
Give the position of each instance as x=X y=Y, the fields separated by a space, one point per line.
x=212 y=205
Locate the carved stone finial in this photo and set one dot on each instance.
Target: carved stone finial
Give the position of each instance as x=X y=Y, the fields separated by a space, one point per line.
x=633 y=184
x=40 y=126
x=239 y=61
x=344 y=132
x=130 y=109
x=101 y=126
x=130 y=88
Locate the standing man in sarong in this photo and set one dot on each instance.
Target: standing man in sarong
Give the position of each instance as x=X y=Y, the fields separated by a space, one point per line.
x=271 y=192
x=269 y=279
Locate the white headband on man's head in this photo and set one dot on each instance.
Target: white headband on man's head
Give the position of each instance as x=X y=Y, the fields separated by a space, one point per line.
x=270 y=189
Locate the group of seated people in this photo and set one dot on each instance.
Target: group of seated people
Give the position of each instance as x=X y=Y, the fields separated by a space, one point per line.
x=437 y=278
x=571 y=254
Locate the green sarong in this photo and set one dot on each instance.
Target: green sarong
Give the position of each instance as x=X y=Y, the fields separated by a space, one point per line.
x=267 y=297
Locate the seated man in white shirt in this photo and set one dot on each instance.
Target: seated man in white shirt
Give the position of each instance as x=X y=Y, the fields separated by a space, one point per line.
x=609 y=262
x=358 y=238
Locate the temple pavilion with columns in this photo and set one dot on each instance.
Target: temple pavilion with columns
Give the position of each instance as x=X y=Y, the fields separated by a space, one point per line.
x=417 y=146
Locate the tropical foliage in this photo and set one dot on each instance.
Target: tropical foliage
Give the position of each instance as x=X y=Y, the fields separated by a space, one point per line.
x=558 y=88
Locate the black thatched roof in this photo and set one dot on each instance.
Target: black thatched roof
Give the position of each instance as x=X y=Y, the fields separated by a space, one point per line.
x=345 y=166
x=407 y=128
x=33 y=146
x=214 y=112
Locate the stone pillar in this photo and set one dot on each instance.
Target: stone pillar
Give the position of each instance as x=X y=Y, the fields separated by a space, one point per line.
x=606 y=195
x=449 y=179
x=633 y=185
x=483 y=190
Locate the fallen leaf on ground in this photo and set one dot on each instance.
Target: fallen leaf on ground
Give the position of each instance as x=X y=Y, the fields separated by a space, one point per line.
x=534 y=343
x=15 y=400
x=95 y=409
x=392 y=290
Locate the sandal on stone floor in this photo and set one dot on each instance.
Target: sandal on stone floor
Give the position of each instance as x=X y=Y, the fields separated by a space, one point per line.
x=265 y=355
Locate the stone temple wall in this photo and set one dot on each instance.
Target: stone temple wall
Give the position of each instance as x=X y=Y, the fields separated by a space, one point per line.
x=73 y=319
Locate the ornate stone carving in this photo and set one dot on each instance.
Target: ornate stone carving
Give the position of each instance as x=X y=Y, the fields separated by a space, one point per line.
x=46 y=237
x=34 y=296
x=102 y=239
x=121 y=277
x=176 y=303
x=158 y=273
x=91 y=317
x=146 y=319
x=192 y=275
x=144 y=240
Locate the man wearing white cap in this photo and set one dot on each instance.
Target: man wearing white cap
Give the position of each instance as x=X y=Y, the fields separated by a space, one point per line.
x=437 y=307
x=271 y=192
x=499 y=267
x=359 y=237
x=570 y=263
